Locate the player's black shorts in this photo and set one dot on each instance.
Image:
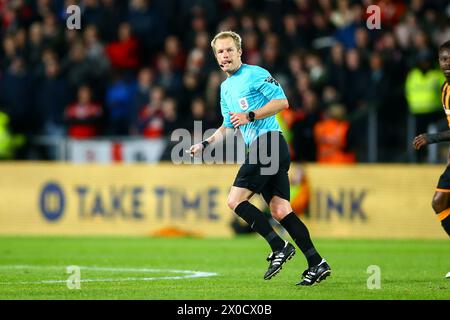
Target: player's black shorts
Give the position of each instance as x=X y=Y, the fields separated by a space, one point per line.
x=266 y=167
x=444 y=179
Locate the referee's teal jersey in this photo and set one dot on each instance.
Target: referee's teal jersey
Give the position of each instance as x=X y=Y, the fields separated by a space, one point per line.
x=248 y=89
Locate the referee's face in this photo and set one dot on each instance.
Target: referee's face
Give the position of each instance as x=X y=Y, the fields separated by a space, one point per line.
x=227 y=55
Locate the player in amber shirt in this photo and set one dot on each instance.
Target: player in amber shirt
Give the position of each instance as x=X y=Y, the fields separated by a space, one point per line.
x=441 y=198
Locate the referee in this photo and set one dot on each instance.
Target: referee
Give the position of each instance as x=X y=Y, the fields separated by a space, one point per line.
x=249 y=100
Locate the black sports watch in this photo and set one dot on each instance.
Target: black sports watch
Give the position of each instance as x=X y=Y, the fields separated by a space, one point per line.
x=251 y=116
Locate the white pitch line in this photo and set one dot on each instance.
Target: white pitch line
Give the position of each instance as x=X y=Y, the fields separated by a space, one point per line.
x=187 y=274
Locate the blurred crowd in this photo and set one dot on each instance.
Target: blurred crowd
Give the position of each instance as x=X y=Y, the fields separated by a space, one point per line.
x=145 y=67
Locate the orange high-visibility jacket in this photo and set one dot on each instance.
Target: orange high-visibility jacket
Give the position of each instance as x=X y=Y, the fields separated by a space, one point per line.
x=331 y=140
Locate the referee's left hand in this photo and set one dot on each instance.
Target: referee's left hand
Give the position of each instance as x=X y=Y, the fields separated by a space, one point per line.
x=196 y=148
x=238 y=118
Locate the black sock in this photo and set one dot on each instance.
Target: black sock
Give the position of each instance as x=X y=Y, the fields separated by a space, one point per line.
x=300 y=234
x=260 y=224
x=446 y=224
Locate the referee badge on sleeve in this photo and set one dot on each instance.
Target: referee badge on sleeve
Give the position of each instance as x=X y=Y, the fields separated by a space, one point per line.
x=243 y=103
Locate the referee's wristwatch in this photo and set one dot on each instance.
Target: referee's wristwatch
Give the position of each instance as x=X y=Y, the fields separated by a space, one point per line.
x=251 y=116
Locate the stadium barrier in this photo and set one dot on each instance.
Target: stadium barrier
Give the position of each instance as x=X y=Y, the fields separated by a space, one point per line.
x=364 y=201
x=102 y=150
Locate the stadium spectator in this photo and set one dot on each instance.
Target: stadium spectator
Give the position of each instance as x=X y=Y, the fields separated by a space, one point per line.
x=212 y=94
x=9 y=51
x=336 y=67
x=9 y=142
x=167 y=77
x=422 y=93
x=295 y=66
x=148 y=25
x=77 y=68
x=20 y=42
x=95 y=50
x=91 y=12
x=343 y=20
x=320 y=32
x=83 y=117
x=247 y=23
x=394 y=64
x=171 y=122
x=175 y=53
x=198 y=60
x=263 y=25
x=16 y=96
x=405 y=30
x=151 y=116
x=440 y=32
x=271 y=57
x=198 y=25
x=330 y=95
x=52 y=95
x=113 y=13
x=53 y=34
x=293 y=39
x=199 y=114
x=304 y=12
x=362 y=44
x=376 y=99
x=192 y=87
x=141 y=94
x=300 y=191
x=118 y=101
x=355 y=81
x=35 y=44
x=252 y=52
x=124 y=53
x=331 y=136
x=306 y=117
x=316 y=70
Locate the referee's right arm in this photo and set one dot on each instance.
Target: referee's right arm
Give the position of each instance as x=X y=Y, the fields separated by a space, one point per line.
x=219 y=135
x=216 y=137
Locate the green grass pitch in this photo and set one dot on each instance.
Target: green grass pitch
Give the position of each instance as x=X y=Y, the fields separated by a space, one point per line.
x=139 y=268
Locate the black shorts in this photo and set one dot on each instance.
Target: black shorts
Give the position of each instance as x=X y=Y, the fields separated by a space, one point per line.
x=266 y=167
x=444 y=180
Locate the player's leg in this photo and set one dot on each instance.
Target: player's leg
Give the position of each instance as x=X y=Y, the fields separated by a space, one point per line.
x=441 y=200
x=238 y=201
x=441 y=205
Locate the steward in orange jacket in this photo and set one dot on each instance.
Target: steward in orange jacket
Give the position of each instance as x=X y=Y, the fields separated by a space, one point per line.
x=331 y=136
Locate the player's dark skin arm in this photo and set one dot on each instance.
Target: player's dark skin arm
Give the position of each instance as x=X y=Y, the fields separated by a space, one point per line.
x=430 y=138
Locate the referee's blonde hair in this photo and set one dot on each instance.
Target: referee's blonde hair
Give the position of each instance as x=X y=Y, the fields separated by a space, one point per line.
x=227 y=34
